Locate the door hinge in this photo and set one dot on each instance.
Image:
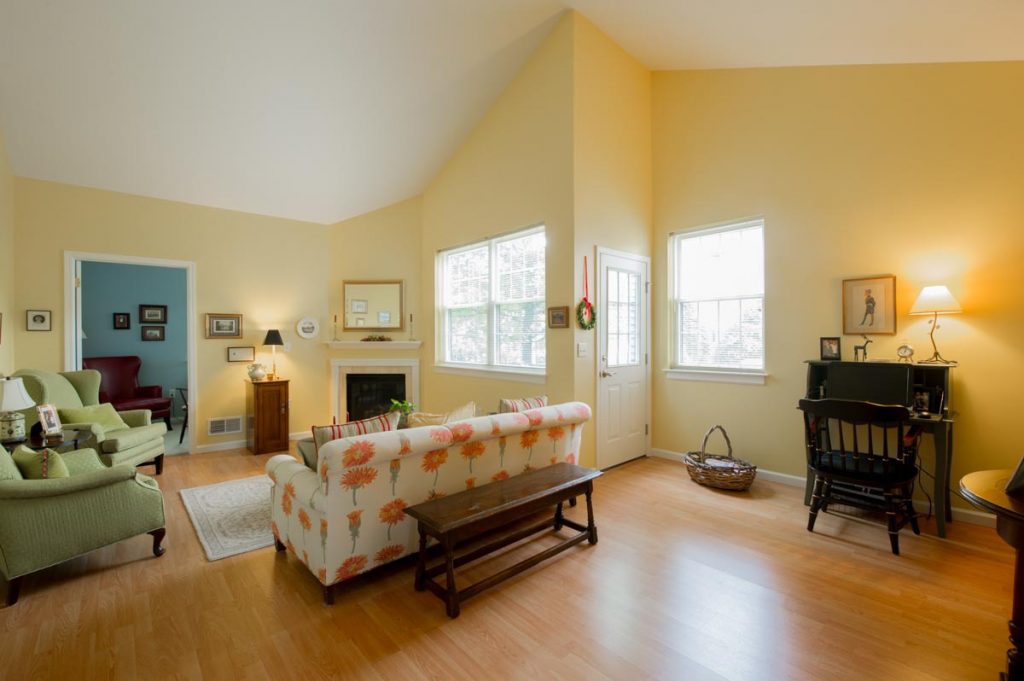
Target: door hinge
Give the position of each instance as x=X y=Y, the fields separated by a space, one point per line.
x=78 y=282
x=647 y=287
x=647 y=429
x=645 y=358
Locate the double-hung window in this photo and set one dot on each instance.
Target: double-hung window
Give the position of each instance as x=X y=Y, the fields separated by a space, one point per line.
x=491 y=303
x=718 y=299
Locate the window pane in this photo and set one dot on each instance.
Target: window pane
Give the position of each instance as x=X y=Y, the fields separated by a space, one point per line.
x=467 y=335
x=520 y=335
x=623 y=332
x=521 y=268
x=721 y=265
x=466 y=277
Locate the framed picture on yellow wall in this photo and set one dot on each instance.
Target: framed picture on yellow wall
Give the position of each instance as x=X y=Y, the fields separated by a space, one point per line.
x=869 y=305
x=223 y=325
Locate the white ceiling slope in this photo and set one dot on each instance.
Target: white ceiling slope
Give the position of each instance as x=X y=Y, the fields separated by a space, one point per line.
x=324 y=109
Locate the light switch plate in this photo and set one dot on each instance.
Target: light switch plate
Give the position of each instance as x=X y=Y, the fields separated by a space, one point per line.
x=582 y=349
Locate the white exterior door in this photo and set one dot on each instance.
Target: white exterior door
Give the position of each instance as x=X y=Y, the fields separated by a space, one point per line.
x=623 y=361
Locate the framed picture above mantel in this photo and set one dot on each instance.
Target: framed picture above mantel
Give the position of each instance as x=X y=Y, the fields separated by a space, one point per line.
x=869 y=306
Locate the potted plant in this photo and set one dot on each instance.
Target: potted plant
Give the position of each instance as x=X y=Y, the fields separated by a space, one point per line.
x=404 y=406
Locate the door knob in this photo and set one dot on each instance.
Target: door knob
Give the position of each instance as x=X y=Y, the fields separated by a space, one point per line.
x=606 y=374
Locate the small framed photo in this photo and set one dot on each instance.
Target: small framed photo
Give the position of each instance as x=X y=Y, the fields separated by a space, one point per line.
x=558 y=317
x=244 y=353
x=152 y=314
x=223 y=326
x=38 y=320
x=48 y=419
x=360 y=306
x=122 y=320
x=152 y=333
x=383 y=317
x=831 y=348
x=869 y=306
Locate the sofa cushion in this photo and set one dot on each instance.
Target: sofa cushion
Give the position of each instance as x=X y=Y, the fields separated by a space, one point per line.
x=422 y=418
x=121 y=440
x=81 y=461
x=307 y=450
x=42 y=465
x=103 y=414
x=513 y=405
x=336 y=431
x=8 y=469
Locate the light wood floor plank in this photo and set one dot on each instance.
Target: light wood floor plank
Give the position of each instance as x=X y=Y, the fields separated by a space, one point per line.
x=686 y=583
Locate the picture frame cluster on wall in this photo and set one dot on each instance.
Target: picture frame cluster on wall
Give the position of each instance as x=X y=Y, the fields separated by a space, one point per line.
x=223 y=325
x=148 y=316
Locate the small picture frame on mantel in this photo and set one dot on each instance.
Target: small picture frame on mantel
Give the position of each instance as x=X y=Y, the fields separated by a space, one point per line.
x=831 y=348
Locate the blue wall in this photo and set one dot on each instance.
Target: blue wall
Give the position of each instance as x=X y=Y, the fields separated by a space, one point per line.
x=110 y=287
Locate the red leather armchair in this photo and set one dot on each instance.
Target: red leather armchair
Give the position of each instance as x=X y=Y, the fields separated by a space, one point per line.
x=119 y=385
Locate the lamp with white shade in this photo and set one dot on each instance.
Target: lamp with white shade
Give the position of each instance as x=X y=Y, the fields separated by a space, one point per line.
x=935 y=300
x=13 y=397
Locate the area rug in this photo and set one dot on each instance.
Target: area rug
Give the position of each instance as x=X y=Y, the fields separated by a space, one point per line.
x=231 y=517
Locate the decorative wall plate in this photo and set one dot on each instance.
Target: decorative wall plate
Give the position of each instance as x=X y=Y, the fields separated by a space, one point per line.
x=308 y=327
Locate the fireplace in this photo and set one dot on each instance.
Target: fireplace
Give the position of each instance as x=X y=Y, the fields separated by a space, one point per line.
x=363 y=387
x=369 y=395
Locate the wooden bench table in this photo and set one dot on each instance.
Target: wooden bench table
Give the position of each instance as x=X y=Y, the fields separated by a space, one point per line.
x=472 y=513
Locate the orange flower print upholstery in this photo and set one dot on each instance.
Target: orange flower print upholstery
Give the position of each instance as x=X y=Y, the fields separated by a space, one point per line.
x=348 y=516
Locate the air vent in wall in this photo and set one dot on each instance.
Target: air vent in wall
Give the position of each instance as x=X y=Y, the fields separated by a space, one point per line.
x=225 y=425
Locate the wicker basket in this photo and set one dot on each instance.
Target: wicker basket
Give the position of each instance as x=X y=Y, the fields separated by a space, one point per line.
x=723 y=472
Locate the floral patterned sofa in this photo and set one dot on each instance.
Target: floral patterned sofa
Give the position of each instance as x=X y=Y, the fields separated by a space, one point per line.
x=349 y=516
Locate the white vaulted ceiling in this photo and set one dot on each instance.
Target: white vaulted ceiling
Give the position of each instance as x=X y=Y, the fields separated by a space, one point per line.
x=322 y=110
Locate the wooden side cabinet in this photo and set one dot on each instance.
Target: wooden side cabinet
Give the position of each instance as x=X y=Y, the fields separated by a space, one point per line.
x=266 y=416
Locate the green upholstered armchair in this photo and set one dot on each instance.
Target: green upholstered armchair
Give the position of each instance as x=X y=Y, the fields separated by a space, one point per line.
x=142 y=442
x=46 y=522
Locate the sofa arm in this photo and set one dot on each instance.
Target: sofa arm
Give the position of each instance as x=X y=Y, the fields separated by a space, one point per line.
x=149 y=391
x=34 y=489
x=137 y=417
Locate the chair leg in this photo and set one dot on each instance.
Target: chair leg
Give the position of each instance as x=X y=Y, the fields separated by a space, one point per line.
x=159 y=463
x=158 y=536
x=826 y=496
x=819 y=483
x=184 y=427
x=890 y=515
x=13 y=589
x=278 y=545
x=167 y=420
x=912 y=515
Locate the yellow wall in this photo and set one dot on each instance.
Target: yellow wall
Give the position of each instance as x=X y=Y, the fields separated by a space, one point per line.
x=513 y=171
x=271 y=270
x=913 y=170
x=384 y=244
x=7 y=323
x=612 y=176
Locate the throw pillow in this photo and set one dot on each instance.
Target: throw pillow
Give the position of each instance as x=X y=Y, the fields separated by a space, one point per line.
x=8 y=469
x=422 y=418
x=512 y=405
x=103 y=414
x=336 y=431
x=42 y=465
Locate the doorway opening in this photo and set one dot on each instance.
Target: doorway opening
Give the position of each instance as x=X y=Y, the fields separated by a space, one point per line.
x=134 y=320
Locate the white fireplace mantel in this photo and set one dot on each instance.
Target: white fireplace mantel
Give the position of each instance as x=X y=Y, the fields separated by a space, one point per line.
x=378 y=365
x=374 y=345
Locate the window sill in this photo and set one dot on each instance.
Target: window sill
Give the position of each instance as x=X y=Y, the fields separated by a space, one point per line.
x=519 y=376
x=717 y=376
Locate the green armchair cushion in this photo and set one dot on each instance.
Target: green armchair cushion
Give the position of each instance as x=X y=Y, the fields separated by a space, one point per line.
x=120 y=440
x=45 y=464
x=8 y=469
x=103 y=414
x=82 y=461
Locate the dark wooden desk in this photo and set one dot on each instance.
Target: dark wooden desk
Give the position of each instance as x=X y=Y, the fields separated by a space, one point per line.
x=472 y=513
x=934 y=378
x=984 y=489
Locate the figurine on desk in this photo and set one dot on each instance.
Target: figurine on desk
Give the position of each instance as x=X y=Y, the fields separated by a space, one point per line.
x=860 y=352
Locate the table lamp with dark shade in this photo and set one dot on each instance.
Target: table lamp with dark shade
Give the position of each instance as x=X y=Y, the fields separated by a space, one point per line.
x=273 y=339
x=935 y=300
x=13 y=397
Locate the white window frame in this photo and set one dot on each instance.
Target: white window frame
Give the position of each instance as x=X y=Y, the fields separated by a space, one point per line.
x=528 y=374
x=678 y=371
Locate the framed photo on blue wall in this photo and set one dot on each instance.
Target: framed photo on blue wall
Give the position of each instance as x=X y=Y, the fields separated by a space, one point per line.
x=152 y=314
x=122 y=320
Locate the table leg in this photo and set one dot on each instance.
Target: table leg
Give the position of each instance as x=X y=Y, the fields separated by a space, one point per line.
x=949 y=468
x=421 y=564
x=591 y=527
x=1014 y=656
x=558 y=516
x=940 y=488
x=452 y=602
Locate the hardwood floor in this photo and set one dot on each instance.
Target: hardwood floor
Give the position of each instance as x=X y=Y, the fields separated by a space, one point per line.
x=686 y=583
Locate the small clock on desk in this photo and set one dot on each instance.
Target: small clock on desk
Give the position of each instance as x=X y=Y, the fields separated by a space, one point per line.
x=905 y=352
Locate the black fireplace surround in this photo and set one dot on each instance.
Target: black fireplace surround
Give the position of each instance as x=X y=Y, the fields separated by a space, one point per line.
x=370 y=394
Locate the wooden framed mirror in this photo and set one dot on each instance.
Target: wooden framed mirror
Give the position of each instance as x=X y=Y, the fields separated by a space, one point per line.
x=373 y=305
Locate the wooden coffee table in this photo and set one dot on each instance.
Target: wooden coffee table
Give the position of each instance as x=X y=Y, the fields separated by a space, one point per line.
x=489 y=508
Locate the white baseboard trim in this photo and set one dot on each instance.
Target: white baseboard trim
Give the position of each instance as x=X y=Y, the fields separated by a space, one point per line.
x=966 y=515
x=240 y=444
x=301 y=435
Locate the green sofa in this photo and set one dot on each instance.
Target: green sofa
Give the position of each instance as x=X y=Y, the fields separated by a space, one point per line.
x=46 y=522
x=142 y=442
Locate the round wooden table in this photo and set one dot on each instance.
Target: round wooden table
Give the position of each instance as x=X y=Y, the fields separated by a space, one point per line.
x=984 y=489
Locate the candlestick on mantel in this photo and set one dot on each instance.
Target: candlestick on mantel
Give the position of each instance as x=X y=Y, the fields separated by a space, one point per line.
x=411 y=336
